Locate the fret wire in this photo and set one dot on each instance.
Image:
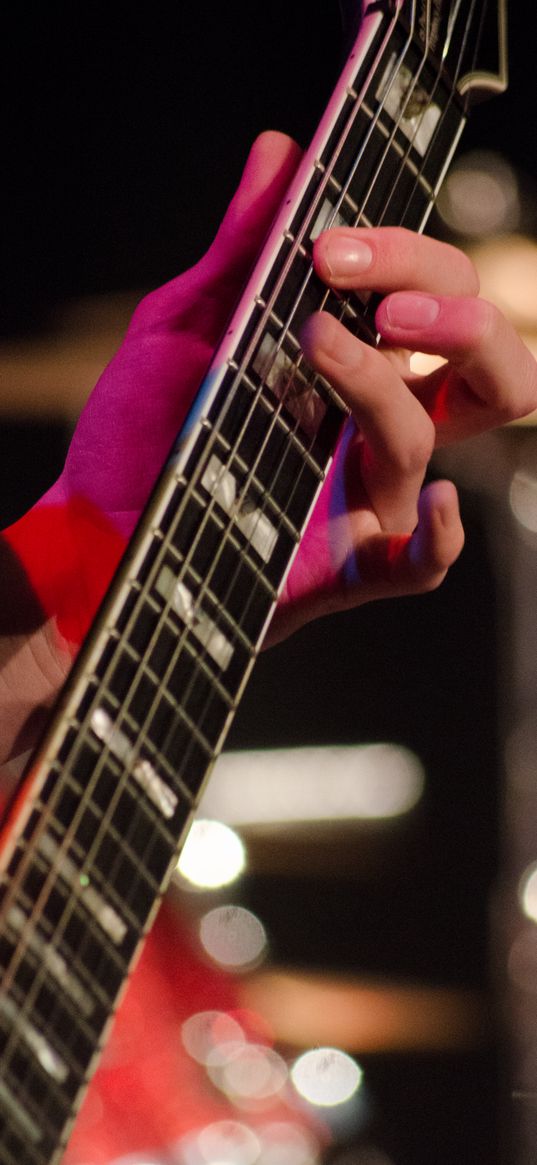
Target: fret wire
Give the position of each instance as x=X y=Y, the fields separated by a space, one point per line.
x=209 y=510
x=278 y=406
x=90 y=982
x=297 y=245
x=357 y=107
x=373 y=124
x=143 y=728
x=71 y=906
x=411 y=141
x=405 y=159
x=298 y=241
x=35 y=1108
x=187 y=563
x=374 y=121
x=37 y=908
x=451 y=95
x=76 y=1067
x=123 y=849
x=296 y=363
x=28 y=1005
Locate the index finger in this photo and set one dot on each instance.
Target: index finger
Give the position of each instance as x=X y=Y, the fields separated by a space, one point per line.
x=391 y=259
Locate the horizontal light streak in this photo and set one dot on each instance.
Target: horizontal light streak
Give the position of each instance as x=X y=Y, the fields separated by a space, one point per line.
x=339 y=783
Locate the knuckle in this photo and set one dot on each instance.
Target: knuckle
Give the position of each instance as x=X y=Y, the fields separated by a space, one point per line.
x=413 y=455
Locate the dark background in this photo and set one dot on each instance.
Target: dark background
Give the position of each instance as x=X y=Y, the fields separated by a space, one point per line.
x=125 y=130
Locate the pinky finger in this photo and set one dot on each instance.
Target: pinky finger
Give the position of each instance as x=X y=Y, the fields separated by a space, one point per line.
x=389 y=565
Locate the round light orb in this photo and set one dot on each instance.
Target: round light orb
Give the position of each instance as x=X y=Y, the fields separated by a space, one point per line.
x=326 y=1076
x=207 y=1032
x=213 y=855
x=233 y=937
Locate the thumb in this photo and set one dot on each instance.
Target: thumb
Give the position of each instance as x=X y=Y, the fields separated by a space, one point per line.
x=220 y=275
x=270 y=166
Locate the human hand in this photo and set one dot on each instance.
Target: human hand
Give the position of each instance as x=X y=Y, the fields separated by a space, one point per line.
x=56 y=561
x=374 y=532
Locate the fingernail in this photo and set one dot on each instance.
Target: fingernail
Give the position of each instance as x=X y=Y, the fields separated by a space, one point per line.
x=408 y=311
x=345 y=256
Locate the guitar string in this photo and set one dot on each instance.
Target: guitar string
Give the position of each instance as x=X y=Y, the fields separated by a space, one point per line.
x=187 y=563
x=156 y=699
x=37 y=905
x=232 y=453
x=155 y=702
x=410 y=144
x=452 y=94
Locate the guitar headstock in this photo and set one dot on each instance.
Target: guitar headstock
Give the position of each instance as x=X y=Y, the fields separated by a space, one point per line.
x=469 y=37
x=472 y=43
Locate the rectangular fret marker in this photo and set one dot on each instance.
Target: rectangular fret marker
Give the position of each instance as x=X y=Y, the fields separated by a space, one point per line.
x=105 y=915
x=193 y=616
x=252 y=522
x=35 y=1040
x=142 y=770
x=408 y=105
x=327 y=216
x=280 y=373
x=53 y=962
x=25 y=1122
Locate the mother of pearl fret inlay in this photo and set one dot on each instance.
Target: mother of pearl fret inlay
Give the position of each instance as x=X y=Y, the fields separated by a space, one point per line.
x=16 y=1110
x=252 y=522
x=52 y=961
x=103 y=913
x=204 y=629
x=36 y=1041
x=409 y=106
x=143 y=772
x=279 y=371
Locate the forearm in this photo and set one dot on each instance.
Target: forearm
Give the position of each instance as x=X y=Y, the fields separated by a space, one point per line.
x=55 y=564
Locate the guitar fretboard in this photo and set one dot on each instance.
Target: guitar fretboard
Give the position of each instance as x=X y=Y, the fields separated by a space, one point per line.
x=147 y=708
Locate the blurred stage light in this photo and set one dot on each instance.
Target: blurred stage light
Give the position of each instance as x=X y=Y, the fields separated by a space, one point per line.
x=207 y=1031
x=326 y=1077
x=247 y=1073
x=287 y=1143
x=213 y=855
x=132 y=1159
x=522 y=962
x=527 y=892
x=225 y=1142
x=508 y=277
x=338 y=783
x=480 y=195
x=523 y=499
x=233 y=937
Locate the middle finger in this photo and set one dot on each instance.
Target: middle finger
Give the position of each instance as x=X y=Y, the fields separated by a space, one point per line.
x=398 y=435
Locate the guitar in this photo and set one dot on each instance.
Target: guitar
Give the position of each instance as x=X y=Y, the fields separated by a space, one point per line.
x=109 y=795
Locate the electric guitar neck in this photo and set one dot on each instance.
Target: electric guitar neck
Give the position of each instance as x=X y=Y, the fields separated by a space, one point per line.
x=110 y=794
